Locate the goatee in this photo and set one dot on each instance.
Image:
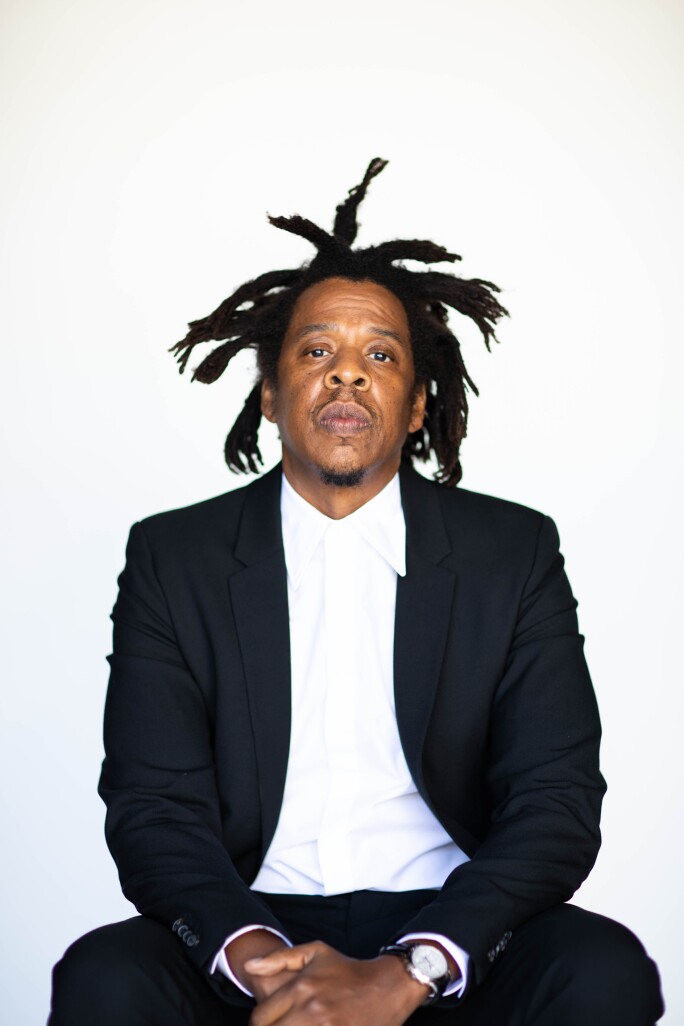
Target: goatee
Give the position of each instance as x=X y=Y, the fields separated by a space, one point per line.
x=342 y=478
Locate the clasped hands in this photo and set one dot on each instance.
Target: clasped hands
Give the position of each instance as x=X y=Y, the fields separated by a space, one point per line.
x=315 y=985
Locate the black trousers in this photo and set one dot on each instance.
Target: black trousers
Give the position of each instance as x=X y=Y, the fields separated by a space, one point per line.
x=563 y=967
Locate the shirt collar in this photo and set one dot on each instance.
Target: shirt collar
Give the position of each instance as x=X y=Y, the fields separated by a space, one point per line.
x=380 y=521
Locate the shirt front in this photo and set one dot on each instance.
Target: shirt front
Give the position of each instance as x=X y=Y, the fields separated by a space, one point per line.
x=351 y=818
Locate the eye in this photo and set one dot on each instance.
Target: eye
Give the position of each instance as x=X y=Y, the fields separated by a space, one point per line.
x=317 y=352
x=379 y=353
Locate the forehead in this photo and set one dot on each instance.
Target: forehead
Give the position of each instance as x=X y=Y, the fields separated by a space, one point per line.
x=341 y=300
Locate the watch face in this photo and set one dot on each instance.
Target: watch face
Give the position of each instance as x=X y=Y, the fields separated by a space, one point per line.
x=430 y=961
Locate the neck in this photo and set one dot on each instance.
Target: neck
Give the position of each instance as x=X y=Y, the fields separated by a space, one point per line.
x=336 y=501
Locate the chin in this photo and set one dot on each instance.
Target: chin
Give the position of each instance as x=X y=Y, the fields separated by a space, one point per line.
x=341 y=478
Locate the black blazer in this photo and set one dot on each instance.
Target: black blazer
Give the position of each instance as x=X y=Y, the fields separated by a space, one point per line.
x=495 y=708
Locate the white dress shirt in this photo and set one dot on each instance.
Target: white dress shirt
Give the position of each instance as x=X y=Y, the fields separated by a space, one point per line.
x=351 y=818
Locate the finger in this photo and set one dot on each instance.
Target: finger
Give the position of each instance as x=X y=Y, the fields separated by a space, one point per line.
x=293 y=959
x=273 y=1008
x=264 y=986
x=272 y=966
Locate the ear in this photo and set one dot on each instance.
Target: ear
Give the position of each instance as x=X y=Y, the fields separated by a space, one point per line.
x=268 y=400
x=418 y=408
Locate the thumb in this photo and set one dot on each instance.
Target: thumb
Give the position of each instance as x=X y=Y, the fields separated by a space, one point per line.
x=293 y=959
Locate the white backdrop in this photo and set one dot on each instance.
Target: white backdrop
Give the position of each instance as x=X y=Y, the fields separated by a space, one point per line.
x=142 y=144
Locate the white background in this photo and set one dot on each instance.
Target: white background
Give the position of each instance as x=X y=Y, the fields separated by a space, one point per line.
x=142 y=144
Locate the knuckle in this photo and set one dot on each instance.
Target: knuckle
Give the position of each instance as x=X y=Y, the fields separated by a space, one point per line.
x=303 y=988
x=319 y=1011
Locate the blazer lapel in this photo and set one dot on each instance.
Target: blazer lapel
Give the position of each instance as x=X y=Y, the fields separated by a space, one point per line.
x=260 y=609
x=422 y=617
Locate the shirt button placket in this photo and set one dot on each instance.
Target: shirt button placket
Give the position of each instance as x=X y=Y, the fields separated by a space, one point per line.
x=341 y=605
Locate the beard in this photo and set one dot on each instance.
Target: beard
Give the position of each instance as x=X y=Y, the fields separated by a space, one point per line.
x=343 y=478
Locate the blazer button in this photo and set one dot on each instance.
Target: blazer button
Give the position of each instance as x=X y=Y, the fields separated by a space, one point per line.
x=176 y=925
x=192 y=940
x=491 y=955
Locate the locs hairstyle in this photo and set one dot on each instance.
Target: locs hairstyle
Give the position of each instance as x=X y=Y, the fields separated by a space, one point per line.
x=257 y=315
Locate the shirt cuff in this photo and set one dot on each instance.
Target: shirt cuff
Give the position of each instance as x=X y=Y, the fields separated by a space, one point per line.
x=221 y=963
x=460 y=957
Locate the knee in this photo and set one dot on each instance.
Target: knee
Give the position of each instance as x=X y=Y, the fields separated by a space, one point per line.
x=81 y=979
x=609 y=971
x=96 y=976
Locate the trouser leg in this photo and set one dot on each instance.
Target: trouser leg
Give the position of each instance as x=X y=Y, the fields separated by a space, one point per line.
x=135 y=972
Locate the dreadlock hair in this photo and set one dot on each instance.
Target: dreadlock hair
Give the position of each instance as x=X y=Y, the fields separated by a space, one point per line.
x=257 y=315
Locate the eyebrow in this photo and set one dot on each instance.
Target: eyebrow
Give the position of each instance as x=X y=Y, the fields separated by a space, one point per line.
x=312 y=329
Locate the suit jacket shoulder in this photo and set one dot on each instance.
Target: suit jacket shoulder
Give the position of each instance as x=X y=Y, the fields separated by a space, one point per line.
x=223 y=508
x=211 y=527
x=465 y=530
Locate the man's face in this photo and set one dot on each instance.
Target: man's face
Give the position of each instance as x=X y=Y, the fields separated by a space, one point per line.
x=344 y=400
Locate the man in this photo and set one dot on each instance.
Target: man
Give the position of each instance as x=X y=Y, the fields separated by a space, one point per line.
x=351 y=740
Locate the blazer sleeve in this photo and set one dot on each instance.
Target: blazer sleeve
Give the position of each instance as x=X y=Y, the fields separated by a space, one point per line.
x=543 y=776
x=158 y=783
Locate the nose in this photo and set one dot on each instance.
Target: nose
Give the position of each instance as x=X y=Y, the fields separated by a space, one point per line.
x=347 y=369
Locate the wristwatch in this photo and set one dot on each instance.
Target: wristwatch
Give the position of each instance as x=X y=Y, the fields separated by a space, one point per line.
x=426 y=963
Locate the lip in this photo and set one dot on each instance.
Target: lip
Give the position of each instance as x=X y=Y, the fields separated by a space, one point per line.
x=344 y=418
